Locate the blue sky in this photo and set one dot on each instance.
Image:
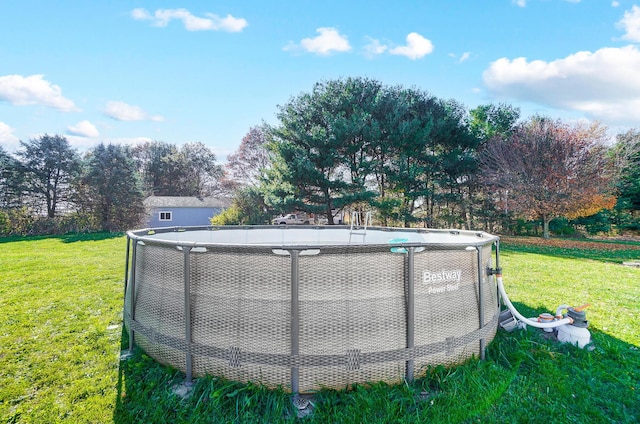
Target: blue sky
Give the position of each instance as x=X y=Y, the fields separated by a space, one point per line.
x=183 y=71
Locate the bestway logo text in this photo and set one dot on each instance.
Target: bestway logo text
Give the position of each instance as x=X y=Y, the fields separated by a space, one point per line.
x=444 y=276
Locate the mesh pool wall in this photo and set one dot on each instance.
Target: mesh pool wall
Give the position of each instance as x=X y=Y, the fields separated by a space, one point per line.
x=351 y=322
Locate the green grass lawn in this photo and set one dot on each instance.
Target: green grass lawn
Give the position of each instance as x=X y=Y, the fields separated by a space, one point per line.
x=61 y=337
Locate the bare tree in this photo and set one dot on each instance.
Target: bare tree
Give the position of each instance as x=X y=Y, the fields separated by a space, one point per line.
x=245 y=165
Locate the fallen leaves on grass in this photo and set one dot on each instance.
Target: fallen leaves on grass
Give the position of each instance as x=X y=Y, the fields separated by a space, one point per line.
x=568 y=243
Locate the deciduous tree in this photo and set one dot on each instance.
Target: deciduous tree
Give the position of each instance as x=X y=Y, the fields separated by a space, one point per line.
x=155 y=164
x=200 y=170
x=247 y=164
x=247 y=208
x=551 y=169
x=171 y=171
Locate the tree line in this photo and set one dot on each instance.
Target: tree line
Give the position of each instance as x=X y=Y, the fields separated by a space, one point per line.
x=48 y=187
x=348 y=145
x=414 y=159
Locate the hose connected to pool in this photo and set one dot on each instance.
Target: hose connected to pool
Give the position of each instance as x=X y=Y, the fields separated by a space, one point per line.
x=570 y=329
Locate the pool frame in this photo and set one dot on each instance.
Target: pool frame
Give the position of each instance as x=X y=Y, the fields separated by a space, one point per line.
x=476 y=242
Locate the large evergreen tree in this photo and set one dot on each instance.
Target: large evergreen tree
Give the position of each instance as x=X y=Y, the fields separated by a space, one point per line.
x=49 y=164
x=318 y=143
x=627 y=157
x=356 y=143
x=111 y=191
x=12 y=186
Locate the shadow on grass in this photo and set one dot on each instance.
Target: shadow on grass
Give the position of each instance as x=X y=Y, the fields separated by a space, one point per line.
x=526 y=377
x=149 y=392
x=66 y=238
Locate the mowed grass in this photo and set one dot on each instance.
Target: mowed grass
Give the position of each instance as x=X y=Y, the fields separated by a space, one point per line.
x=61 y=337
x=61 y=303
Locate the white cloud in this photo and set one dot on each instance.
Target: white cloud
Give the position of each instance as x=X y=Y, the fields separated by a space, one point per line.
x=7 y=139
x=83 y=129
x=630 y=23
x=374 y=47
x=523 y=3
x=34 y=90
x=130 y=141
x=615 y=3
x=121 y=111
x=329 y=41
x=211 y=21
x=465 y=56
x=140 y=14
x=604 y=84
x=416 y=48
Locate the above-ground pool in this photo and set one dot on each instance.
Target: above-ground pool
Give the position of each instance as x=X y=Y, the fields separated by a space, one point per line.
x=309 y=307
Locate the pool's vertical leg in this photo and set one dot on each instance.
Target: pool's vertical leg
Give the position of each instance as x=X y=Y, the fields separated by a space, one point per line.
x=410 y=311
x=481 y=298
x=132 y=297
x=187 y=315
x=126 y=265
x=295 y=321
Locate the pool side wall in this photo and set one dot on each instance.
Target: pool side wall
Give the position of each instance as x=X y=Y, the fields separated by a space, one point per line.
x=351 y=324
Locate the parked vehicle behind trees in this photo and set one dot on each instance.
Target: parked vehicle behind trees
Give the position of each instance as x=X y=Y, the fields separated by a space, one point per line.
x=291 y=219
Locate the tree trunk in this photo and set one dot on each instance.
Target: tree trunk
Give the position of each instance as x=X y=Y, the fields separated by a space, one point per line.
x=329 y=212
x=545 y=227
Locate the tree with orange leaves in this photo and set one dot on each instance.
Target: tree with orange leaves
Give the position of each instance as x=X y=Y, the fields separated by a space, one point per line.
x=551 y=169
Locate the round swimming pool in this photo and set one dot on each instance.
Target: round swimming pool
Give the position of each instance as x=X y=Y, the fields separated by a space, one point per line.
x=309 y=307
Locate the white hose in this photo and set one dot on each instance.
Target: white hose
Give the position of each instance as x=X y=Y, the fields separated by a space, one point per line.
x=560 y=309
x=521 y=317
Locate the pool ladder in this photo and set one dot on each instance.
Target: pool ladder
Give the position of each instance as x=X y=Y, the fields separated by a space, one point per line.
x=356 y=228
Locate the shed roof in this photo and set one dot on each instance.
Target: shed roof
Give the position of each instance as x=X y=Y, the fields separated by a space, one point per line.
x=186 y=202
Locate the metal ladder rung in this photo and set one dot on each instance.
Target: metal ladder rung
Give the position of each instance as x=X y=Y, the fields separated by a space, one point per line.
x=355 y=222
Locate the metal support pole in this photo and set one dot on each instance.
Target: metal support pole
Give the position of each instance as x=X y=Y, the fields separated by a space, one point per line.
x=498 y=270
x=410 y=308
x=132 y=297
x=187 y=315
x=481 y=299
x=295 y=320
x=497 y=244
x=126 y=266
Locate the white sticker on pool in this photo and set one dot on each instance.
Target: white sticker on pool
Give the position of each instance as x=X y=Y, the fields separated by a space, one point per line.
x=443 y=288
x=444 y=276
